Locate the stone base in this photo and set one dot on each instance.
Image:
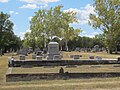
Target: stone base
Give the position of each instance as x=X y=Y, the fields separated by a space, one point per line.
x=51 y=56
x=53 y=76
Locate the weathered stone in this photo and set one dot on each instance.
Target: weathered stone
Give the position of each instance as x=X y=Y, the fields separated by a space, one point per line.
x=53 y=49
x=76 y=56
x=34 y=56
x=91 y=57
x=39 y=57
x=56 y=57
x=22 y=57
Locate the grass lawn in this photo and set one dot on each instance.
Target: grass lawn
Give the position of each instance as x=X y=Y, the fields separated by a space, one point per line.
x=72 y=84
x=78 y=69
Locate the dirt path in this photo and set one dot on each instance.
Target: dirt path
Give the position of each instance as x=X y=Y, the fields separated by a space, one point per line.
x=58 y=85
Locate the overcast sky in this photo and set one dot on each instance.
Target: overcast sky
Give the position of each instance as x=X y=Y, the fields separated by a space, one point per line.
x=21 y=12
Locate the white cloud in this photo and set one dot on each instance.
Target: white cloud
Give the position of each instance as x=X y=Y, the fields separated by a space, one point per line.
x=33 y=4
x=22 y=34
x=30 y=18
x=91 y=35
x=16 y=13
x=30 y=6
x=13 y=12
x=14 y=26
x=82 y=13
x=39 y=1
x=4 y=1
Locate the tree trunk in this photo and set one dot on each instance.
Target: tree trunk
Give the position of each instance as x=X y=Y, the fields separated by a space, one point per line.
x=66 y=46
x=110 y=50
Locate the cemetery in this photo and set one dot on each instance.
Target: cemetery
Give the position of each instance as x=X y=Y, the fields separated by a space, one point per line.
x=48 y=67
x=53 y=45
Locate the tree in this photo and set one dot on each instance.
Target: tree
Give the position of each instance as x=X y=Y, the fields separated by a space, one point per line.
x=53 y=22
x=8 y=40
x=5 y=23
x=107 y=19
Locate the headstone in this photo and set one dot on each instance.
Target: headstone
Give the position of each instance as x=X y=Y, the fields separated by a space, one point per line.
x=30 y=50
x=23 y=51
x=37 y=50
x=53 y=49
x=98 y=58
x=61 y=70
x=39 y=53
x=44 y=50
x=76 y=56
x=56 y=57
x=34 y=56
x=39 y=57
x=77 y=49
x=118 y=59
x=96 y=48
x=71 y=56
x=22 y=57
x=91 y=57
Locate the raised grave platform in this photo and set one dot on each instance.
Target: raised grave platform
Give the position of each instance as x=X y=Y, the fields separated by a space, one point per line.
x=38 y=63
x=51 y=73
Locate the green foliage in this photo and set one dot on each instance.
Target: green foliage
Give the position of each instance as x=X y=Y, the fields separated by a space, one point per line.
x=86 y=42
x=107 y=18
x=51 y=23
x=7 y=38
x=5 y=23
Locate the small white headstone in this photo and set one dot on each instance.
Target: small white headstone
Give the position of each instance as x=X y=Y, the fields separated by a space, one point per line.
x=39 y=57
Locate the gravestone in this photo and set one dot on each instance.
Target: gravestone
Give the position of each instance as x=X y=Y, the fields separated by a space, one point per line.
x=39 y=53
x=22 y=57
x=118 y=58
x=76 y=56
x=96 y=48
x=39 y=57
x=37 y=50
x=61 y=71
x=56 y=57
x=71 y=56
x=33 y=56
x=91 y=57
x=98 y=58
x=23 y=51
x=53 y=49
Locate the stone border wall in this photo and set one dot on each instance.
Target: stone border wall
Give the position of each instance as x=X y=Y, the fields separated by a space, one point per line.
x=37 y=63
x=53 y=76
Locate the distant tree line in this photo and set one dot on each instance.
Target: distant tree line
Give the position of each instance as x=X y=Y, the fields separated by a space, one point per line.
x=85 y=42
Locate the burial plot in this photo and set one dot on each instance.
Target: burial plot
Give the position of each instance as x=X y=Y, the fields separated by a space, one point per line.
x=53 y=49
